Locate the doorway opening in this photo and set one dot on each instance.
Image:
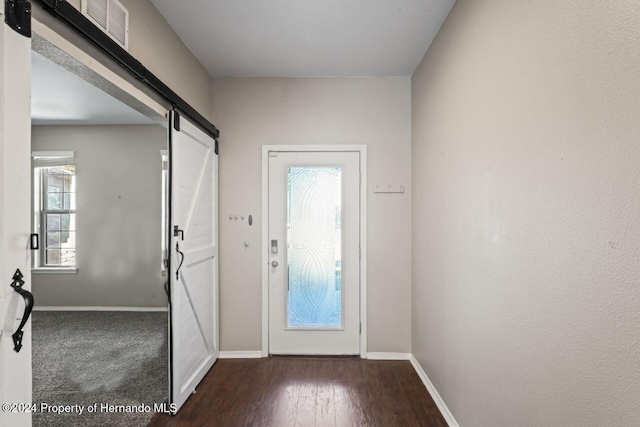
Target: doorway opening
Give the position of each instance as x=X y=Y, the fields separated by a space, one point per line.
x=314 y=250
x=100 y=231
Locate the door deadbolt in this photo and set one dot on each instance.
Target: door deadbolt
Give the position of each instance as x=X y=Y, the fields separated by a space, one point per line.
x=274 y=264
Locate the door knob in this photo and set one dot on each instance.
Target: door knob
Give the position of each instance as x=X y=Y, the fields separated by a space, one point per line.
x=274 y=263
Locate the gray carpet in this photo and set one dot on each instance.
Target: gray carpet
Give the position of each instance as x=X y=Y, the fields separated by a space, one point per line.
x=83 y=358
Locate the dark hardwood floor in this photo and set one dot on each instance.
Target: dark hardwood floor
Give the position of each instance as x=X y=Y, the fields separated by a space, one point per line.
x=297 y=391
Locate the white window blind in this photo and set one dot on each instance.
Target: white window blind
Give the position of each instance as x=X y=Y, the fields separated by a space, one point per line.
x=47 y=159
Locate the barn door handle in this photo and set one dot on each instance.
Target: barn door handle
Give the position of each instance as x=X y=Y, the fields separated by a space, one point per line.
x=181 y=260
x=28 y=306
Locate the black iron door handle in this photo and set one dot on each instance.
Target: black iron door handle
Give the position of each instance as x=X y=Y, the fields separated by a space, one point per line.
x=181 y=260
x=28 y=306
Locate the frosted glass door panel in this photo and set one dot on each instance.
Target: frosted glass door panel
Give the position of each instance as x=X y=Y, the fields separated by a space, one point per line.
x=314 y=241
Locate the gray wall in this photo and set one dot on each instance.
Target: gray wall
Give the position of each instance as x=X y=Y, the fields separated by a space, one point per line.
x=119 y=217
x=372 y=111
x=526 y=207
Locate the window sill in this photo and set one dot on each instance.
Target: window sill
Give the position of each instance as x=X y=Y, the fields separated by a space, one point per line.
x=49 y=270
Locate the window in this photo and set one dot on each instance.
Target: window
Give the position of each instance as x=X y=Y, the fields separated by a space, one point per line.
x=55 y=209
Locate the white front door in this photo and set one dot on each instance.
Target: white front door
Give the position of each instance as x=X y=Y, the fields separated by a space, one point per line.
x=194 y=258
x=15 y=221
x=314 y=256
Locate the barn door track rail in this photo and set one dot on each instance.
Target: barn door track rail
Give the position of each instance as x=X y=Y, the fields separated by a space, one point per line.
x=18 y=16
x=28 y=306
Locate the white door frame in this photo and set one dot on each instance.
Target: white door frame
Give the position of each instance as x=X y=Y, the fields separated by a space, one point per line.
x=62 y=47
x=362 y=149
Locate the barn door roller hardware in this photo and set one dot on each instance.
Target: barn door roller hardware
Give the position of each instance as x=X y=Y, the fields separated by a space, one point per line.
x=176 y=125
x=17 y=15
x=28 y=306
x=176 y=120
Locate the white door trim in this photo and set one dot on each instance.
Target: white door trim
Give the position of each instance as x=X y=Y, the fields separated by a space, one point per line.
x=362 y=149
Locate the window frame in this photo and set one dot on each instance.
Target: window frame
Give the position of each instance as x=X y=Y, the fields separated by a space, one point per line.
x=40 y=212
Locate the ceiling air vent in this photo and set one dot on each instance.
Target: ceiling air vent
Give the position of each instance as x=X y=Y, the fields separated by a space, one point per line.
x=111 y=17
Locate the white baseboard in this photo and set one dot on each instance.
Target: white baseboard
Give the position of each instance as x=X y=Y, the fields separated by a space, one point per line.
x=434 y=393
x=241 y=354
x=79 y=308
x=388 y=356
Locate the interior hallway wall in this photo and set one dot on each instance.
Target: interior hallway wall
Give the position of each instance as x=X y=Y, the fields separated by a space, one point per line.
x=118 y=197
x=155 y=44
x=526 y=213
x=252 y=112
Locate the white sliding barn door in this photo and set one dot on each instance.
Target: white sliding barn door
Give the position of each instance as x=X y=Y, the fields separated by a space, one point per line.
x=15 y=220
x=194 y=257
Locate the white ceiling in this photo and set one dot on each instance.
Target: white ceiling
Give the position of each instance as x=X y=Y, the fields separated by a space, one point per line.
x=59 y=97
x=283 y=38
